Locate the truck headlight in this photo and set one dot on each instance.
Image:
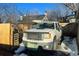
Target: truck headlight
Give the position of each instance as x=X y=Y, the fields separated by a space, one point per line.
x=46 y=36
x=24 y=34
x=47 y=46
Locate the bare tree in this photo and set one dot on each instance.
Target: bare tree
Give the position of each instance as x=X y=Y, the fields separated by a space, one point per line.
x=9 y=13
x=53 y=14
x=30 y=15
x=34 y=14
x=75 y=9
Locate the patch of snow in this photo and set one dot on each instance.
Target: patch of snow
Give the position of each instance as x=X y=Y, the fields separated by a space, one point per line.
x=20 y=49
x=23 y=54
x=71 y=44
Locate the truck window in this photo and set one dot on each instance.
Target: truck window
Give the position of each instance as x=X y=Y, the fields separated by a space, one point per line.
x=57 y=27
x=43 y=26
x=46 y=25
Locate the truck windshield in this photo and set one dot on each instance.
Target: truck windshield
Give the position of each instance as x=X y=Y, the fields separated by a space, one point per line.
x=43 y=26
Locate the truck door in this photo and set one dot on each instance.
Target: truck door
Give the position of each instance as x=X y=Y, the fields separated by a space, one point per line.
x=58 y=31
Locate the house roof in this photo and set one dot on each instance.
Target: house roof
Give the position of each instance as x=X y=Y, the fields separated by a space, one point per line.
x=29 y=19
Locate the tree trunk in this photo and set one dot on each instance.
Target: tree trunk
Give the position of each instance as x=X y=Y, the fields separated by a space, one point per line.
x=77 y=39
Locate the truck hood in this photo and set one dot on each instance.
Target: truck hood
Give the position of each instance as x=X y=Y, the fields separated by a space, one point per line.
x=39 y=30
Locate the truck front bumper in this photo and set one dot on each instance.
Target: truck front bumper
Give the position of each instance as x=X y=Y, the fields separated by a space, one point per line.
x=33 y=45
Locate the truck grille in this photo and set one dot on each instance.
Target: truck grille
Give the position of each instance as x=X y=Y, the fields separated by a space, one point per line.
x=34 y=36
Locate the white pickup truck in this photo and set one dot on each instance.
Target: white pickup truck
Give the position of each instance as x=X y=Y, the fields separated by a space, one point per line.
x=44 y=34
x=47 y=35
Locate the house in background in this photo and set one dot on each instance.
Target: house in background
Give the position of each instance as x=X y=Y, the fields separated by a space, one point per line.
x=26 y=21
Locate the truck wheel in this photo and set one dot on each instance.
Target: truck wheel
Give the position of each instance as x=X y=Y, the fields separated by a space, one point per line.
x=40 y=48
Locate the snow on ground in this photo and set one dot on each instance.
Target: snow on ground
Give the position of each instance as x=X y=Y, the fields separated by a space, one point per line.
x=71 y=44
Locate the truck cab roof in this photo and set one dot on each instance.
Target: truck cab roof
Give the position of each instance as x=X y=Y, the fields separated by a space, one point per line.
x=42 y=21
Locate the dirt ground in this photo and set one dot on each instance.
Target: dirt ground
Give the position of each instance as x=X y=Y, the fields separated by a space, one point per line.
x=5 y=52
